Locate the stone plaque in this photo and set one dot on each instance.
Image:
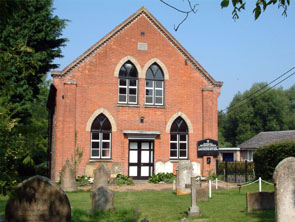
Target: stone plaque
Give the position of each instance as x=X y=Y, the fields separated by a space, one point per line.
x=68 y=181
x=284 y=178
x=142 y=46
x=259 y=201
x=38 y=199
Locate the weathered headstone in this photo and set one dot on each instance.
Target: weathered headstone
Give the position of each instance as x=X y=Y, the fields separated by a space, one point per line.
x=102 y=199
x=194 y=210
x=284 y=178
x=101 y=176
x=260 y=201
x=68 y=180
x=184 y=175
x=202 y=194
x=116 y=169
x=38 y=199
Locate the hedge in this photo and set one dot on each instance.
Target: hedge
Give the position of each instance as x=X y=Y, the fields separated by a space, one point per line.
x=267 y=158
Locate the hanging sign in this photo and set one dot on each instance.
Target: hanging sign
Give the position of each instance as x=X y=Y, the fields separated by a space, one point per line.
x=207 y=147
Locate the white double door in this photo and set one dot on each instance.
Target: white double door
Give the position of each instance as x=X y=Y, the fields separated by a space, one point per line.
x=141 y=159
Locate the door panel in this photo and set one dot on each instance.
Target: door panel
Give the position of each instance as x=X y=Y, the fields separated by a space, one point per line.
x=141 y=158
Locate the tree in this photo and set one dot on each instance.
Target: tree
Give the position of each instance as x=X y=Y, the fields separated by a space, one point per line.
x=260 y=5
x=238 y=6
x=250 y=113
x=29 y=42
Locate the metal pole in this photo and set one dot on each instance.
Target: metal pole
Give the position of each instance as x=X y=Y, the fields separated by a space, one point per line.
x=209 y=188
x=216 y=183
x=259 y=184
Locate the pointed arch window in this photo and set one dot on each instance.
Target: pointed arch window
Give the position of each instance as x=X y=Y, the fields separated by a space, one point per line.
x=128 y=83
x=101 y=137
x=154 y=85
x=179 y=139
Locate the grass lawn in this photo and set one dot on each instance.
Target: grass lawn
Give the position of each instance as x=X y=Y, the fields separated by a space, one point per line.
x=225 y=206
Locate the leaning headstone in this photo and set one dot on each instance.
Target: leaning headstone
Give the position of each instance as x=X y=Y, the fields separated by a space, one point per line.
x=284 y=179
x=259 y=201
x=202 y=194
x=68 y=180
x=101 y=176
x=102 y=199
x=184 y=175
x=38 y=199
x=194 y=210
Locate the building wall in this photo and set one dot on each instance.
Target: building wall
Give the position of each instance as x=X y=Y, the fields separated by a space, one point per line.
x=93 y=85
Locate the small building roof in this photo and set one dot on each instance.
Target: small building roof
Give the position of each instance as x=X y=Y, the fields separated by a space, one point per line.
x=266 y=138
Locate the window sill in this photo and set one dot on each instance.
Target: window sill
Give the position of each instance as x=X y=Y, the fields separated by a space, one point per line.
x=176 y=160
x=155 y=106
x=128 y=105
x=100 y=160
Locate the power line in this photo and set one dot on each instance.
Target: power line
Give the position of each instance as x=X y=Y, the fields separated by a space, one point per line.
x=247 y=97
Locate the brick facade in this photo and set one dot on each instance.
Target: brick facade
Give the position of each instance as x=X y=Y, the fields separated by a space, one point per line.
x=89 y=86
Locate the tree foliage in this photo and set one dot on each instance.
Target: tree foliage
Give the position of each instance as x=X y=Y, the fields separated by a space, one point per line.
x=271 y=110
x=260 y=6
x=267 y=158
x=29 y=42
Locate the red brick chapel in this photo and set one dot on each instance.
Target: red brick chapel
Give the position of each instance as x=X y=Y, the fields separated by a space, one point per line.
x=136 y=101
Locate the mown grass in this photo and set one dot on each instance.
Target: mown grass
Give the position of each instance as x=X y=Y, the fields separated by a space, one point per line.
x=157 y=206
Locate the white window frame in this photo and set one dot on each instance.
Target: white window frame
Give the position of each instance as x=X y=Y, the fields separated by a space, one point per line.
x=250 y=157
x=153 y=88
x=127 y=87
x=178 y=142
x=101 y=141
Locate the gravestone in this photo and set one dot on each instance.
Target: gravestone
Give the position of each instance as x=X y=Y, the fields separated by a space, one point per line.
x=38 y=199
x=202 y=194
x=116 y=169
x=284 y=179
x=259 y=201
x=184 y=175
x=102 y=199
x=101 y=176
x=68 y=180
x=194 y=210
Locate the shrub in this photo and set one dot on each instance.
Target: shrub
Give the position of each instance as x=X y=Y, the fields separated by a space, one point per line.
x=121 y=180
x=84 y=180
x=267 y=158
x=162 y=177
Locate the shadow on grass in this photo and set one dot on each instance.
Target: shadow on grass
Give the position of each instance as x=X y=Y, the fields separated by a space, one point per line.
x=263 y=216
x=121 y=215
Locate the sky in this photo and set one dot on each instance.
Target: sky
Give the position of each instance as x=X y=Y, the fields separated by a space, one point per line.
x=238 y=53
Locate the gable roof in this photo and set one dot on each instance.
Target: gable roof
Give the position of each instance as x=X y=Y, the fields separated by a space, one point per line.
x=141 y=12
x=267 y=138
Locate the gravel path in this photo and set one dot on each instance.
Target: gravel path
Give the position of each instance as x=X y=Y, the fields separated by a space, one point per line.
x=144 y=185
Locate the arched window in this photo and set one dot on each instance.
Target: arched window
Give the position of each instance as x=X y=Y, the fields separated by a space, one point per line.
x=128 y=82
x=101 y=138
x=154 y=85
x=179 y=139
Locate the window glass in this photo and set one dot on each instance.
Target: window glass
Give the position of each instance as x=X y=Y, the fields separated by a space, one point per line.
x=95 y=145
x=179 y=139
x=106 y=153
x=101 y=136
x=149 y=92
x=173 y=153
x=95 y=153
x=95 y=136
x=149 y=100
x=123 y=82
x=132 y=91
x=132 y=99
x=158 y=100
x=149 y=83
